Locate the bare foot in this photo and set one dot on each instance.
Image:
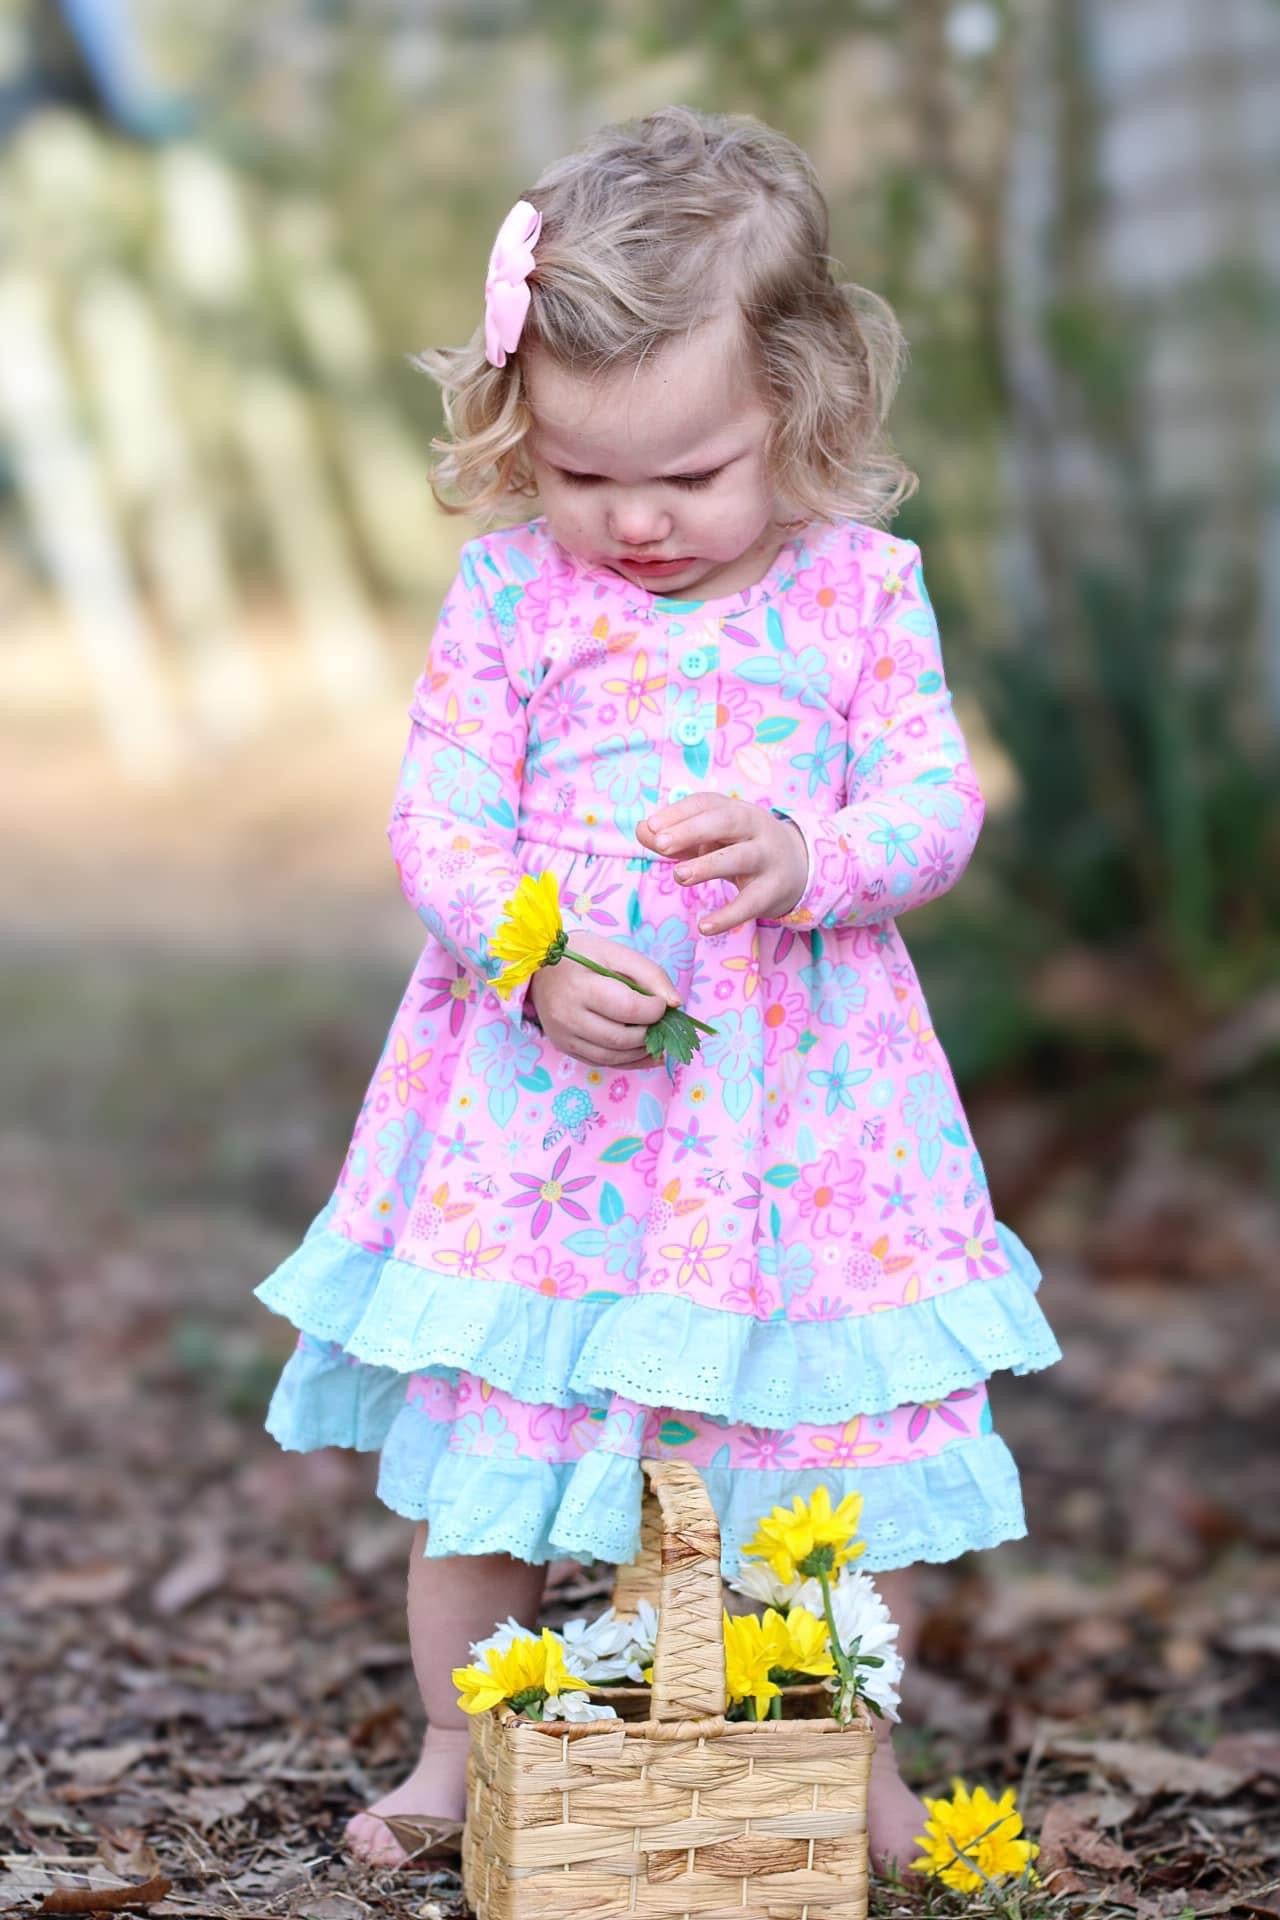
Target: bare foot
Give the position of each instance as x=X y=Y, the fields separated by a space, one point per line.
x=437 y=1787
x=895 y=1815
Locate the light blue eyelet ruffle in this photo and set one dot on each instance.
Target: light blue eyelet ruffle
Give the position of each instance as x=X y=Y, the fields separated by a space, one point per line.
x=658 y=1349
x=957 y=1501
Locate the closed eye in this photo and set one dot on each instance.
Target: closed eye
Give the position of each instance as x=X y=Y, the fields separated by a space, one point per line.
x=688 y=480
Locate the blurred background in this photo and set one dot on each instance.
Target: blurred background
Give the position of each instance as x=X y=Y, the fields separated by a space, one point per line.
x=223 y=233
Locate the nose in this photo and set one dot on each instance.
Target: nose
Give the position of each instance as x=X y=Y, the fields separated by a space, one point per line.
x=637 y=520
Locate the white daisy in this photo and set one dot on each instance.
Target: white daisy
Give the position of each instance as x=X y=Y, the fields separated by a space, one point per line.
x=861 y=1615
x=575 y=1707
x=758 y=1581
x=500 y=1639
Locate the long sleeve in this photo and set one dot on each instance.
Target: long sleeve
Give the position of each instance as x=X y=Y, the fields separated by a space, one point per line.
x=454 y=817
x=914 y=808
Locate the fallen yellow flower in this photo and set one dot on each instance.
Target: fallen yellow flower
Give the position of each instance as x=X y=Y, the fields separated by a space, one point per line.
x=972 y=1839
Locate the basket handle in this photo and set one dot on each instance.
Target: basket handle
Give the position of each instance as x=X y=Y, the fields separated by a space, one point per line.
x=678 y=1567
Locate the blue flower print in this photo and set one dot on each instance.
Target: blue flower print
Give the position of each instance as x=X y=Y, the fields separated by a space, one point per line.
x=504 y=1051
x=790 y=1266
x=928 y=1107
x=624 y=1246
x=805 y=677
x=484 y=1433
x=736 y=1052
x=835 y=991
x=462 y=782
x=669 y=942
x=825 y=751
x=895 y=836
x=403 y=1148
x=628 y=770
x=840 y=1080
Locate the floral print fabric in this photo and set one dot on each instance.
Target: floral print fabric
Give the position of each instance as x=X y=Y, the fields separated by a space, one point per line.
x=689 y=1243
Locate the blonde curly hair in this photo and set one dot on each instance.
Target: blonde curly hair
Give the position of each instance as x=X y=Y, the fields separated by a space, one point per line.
x=648 y=229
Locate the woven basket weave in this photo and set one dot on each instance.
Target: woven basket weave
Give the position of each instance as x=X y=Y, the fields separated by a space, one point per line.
x=685 y=1814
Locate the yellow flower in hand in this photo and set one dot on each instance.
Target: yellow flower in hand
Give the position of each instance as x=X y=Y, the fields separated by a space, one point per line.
x=747 y=1660
x=522 y=1674
x=532 y=934
x=809 y=1538
x=798 y=1642
x=971 y=1839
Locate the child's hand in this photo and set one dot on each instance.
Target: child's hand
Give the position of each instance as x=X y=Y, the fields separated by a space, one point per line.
x=715 y=838
x=600 y=1020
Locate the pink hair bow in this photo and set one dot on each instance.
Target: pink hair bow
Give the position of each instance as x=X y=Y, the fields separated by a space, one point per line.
x=506 y=293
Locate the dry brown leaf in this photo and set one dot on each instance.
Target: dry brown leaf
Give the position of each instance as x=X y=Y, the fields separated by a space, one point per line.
x=128 y=1854
x=200 y=1572
x=206 y=1806
x=1067 y=1834
x=99 y=1766
x=1258 y=1751
x=105 y=1899
x=1150 y=1769
x=95 y=1585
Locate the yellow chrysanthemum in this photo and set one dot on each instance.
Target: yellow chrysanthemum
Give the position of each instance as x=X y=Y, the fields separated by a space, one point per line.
x=798 y=1642
x=530 y=1666
x=531 y=928
x=747 y=1660
x=808 y=1537
x=971 y=1839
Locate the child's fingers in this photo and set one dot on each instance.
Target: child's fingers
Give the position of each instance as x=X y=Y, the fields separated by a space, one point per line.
x=738 y=860
x=752 y=903
x=703 y=819
x=607 y=1042
x=626 y=1007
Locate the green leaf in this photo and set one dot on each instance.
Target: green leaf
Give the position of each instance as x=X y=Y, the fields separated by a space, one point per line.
x=783 y=1174
x=672 y=1037
x=622 y=1149
x=611 y=1207
x=674 y=1433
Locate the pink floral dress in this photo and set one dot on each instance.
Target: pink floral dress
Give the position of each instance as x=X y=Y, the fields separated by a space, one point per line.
x=779 y=1261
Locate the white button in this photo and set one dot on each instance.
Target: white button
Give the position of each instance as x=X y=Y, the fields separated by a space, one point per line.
x=690 y=732
x=695 y=663
x=678 y=793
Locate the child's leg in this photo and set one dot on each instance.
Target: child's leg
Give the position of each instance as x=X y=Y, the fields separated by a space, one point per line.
x=894 y=1814
x=452 y=1603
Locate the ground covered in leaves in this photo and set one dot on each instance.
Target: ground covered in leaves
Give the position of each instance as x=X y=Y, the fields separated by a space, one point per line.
x=204 y=1664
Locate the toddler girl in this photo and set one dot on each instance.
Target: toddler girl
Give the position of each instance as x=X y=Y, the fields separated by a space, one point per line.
x=704 y=689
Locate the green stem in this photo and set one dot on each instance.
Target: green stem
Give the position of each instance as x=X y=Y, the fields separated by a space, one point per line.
x=627 y=981
x=751 y=1707
x=841 y=1658
x=775 y=1707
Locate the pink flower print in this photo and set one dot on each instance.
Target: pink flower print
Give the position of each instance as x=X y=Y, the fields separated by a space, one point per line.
x=453 y=993
x=885 y=1037
x=588 y=903
x=455 y=1145
x=646 y=1161
x=829 y=1193
x=752 y=1292
x=937 y=865
x=546 y=596
x=850 y=1448
x=896 y=1198
x=541 y=1272
x=546 y=1195
x=784 y=1010
x=691 y=1139
x=694 y=1256
x=618 y=1088
x=404 y=1069
x=470 y=913
x=505 y=753
x=981 y=1257
x=891 y=669
x=737 y=711
x=892 y=592
x=566 y=707
x=470 y=1259
x=862 y=1270
x=926 y=1410
x=762 y=1447
x=823 y=595
x=750 y=1203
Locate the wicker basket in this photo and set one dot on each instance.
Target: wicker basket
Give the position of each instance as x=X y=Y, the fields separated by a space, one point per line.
x=686 y=1814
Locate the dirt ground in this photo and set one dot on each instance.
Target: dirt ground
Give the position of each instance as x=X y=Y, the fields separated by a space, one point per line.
x=202 y=1643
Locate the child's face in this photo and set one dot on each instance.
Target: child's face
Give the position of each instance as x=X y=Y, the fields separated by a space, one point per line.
x=662 y=462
